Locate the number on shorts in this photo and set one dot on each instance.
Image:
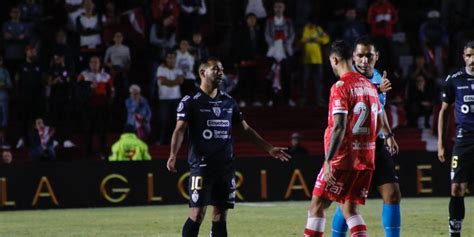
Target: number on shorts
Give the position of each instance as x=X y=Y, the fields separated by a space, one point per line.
x=196 y=182
x=454 y=162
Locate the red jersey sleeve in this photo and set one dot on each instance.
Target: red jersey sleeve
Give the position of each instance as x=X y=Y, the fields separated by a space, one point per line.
x=339 y=99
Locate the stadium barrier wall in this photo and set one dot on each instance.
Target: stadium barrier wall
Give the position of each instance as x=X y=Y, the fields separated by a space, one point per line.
x=96 y=184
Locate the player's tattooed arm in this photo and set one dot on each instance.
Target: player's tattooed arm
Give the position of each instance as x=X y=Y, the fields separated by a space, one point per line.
x=337 y=135
x=176 y=141
x=442 y=127
x=250 y=134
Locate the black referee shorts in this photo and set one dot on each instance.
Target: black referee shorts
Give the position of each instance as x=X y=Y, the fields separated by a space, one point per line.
x=462 y=162
x=384 y=165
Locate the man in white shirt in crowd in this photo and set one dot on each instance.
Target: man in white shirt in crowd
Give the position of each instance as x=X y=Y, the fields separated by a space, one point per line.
x=185 y=62
x=169 y=81
x=117 y=59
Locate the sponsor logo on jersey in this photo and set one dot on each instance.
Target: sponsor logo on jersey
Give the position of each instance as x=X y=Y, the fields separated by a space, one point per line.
x=468 y=98
x=336 y=189
x=462 y=87
x=217 y=111
x=180 y=106
x=217 y=134
x=364 y=193
x=229 y=110
x=337 y=103
x=218 y=123
x=356 y=145
x=205 y=110
x=339 y=83
x=195 y=196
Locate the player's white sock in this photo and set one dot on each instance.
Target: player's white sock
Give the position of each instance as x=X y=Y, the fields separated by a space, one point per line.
x=314 y=226
x=357 y=226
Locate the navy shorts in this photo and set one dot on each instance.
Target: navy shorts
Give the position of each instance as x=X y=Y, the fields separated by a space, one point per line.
x=384 y=165
x=212 y=187
x=462 y=162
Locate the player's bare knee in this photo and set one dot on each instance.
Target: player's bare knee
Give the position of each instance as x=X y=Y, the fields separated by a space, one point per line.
x=458 y=190
x=197 y=214
x=219 y=214
x=317 y=208
x=392 y=197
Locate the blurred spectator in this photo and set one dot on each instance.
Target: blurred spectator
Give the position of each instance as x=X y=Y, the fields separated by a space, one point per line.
x=5 y=87
x=185 y=63
x=190 y=17
x=248 y=48
x=89 y=26
x=296 y=150
x=42 y=142
x=169 y=79
x=60 y=98
x=199 y=50
x=15 y=35
x=129 y=147
x=302 y=11
x=313 y=38
x=138 y=112
x=112 y=15
x=420 y=67
x=31 y=11
x=382 y=16
x=118 y=59
x=257 y=8
x=61 y=46
x=163 y=37
x=30 y=90
x=74 y=9
x=279 y=35
x=97 y=91
x=434 y=41
x=160 y=7
x=351 y=28
x=7 y=156
x=420 y=97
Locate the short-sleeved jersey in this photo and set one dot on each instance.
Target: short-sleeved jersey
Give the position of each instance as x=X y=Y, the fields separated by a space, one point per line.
x=210 y=122
x=459 y=89
x=355 y=96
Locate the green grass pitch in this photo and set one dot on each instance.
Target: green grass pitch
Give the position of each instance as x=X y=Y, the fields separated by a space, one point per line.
x=420 y=217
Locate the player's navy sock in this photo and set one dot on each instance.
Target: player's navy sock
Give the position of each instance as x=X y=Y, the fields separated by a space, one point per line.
x=456 y=215
x=219 y=229
x=357 y=226
x=191 y=228
x=339 y=226
x=391 y=220
x=314 y=227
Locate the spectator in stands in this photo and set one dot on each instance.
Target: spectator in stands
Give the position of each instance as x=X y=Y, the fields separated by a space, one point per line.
x=169 y=79
x=61 y=46
x=31 y=11
x=74 y=9
x=5 y=87
x=60 y=98
x=7 y=156
x=199 y=50
x=15 y=35
x=351 y=28
x=118 y=59
x=421 y=67
x=129 y=147
x=138 y=112
x=185 y=62
x=420 y=97
x=160 y=7
x=382 y=16
x=296 y=150
x=97 y=92
x=31 y=92
x=279 y=35
x=257 y=8
x=313 y=38
x=190 y=17
x=163 y=37
x=42 y=142
x=89 y=26
x=434 y=41
x=248 y=49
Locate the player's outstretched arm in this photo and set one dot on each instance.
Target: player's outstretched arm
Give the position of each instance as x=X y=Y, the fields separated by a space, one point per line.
x=176 y=141
x=250 y=134
x=442 y=127
x=391 y=143
x=337 y=135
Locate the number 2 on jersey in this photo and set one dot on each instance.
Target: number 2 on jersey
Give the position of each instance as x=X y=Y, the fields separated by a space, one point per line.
x=361 y=109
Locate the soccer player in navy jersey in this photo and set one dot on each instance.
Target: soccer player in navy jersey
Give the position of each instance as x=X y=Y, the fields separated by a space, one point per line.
x=364 y=57
x=459 y=90
x=209 y=116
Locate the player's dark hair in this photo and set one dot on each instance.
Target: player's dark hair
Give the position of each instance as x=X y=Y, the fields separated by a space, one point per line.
x=341 y=49
x=469 y=45
x=206 y=64
x=365 y=41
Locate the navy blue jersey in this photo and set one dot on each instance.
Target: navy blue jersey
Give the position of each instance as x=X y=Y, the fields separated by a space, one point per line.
x=210 y=122
x=459 y=89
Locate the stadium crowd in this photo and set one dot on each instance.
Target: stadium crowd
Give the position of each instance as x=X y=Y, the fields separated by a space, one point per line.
x=87 y=67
